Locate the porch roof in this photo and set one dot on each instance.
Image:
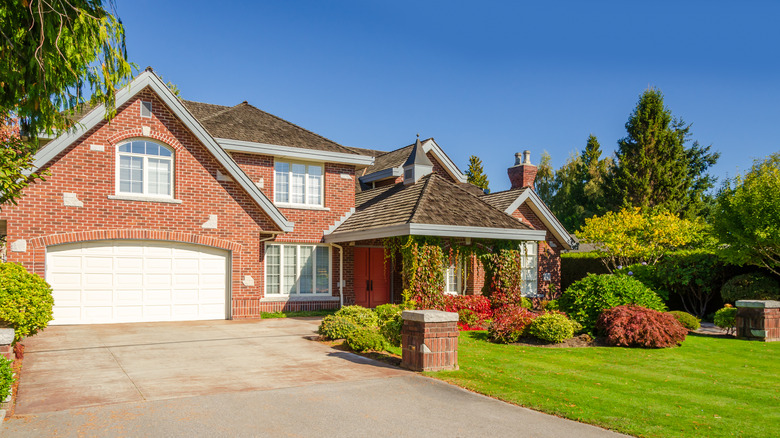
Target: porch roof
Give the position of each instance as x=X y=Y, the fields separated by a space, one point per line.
x=431 y=207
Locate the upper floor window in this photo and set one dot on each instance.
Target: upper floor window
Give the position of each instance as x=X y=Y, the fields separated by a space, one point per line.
x=144 y=168
x=298 y=183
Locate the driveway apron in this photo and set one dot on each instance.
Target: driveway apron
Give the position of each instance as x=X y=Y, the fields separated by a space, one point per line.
x=68 y=367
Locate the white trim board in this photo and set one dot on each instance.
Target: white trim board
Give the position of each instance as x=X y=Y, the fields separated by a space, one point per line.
x=436 y=230
x=292 y=152
x=150 y=79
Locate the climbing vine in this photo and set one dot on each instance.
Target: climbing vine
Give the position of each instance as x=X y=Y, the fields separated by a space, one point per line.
x=424 y=261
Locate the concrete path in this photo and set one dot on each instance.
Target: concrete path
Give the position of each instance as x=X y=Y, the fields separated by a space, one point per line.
x=242 y=378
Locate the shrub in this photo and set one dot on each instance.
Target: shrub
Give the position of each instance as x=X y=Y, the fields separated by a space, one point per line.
x=336 y=327
x=366 y=339
x=509 y=323
x=25 y=300
x=635 y=326
x=390 y=322
x=550 y=306
x=753 y=286
x=726 y=318
x=6 y=377
x=584 y=300
x=391 y=330
x=360 y=316
x=473 y=310
x=552 y=327
x=500 y=299
x=686 y=319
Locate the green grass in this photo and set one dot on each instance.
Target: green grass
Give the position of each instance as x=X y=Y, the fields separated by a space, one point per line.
x=707 y=387
x=299 y=314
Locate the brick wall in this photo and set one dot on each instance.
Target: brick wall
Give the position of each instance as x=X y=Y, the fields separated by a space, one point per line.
x=42 y=219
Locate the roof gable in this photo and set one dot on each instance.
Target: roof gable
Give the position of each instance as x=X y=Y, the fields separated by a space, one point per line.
x=149 y=79
x=510 y=200
x=390 y=164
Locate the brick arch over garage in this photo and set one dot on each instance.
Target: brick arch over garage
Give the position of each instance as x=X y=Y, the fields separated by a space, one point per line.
x=36 y=247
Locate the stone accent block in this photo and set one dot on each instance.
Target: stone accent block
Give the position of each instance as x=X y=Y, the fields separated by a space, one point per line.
x=6 y=336
x=757 y=319
x=429 y=340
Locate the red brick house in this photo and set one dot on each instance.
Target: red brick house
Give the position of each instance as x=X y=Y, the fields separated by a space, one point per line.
x=179 y=210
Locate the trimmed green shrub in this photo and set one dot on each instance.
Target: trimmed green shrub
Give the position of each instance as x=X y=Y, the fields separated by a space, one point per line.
x=509 y=324
x=646 y=274
x=366 y=339
x=577 y=265
x=753 y=286
x=635 y=326
x=25 y=300
x=6 y=377
x=584 y=300
x=336 y=327
x=686 y=319
x=551 y=327
x=391 y=330
x=726 y=318
x=360 y=316
x=387 y=312
x=551 y=305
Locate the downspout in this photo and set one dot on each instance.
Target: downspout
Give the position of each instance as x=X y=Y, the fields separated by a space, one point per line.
x=341 y=274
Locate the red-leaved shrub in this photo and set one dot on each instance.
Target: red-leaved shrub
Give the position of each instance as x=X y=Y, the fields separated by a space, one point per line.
x=476 y=303
x=635 y=326
x=509 y=323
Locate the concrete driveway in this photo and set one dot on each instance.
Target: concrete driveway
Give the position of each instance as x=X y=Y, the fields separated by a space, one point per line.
x=242 y=378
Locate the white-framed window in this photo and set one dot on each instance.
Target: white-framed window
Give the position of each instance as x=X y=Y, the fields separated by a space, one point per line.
x=144 y=168
x=529 y=266
x=293 y=269
x=454 y=280
x=298 y=183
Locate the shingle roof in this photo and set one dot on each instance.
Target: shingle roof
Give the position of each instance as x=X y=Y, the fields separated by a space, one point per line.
x=432 y=200
x=247 y=123
x=390 y=159
x=417 y=156
x=502 y=200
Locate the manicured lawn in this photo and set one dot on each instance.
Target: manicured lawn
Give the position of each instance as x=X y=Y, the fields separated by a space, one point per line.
x=707 y=387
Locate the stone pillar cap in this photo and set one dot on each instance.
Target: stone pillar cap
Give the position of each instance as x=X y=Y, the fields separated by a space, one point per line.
x=429 y=316
x=759 y=304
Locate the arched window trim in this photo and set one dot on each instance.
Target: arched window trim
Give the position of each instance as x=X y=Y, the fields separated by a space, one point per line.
x=147 y=170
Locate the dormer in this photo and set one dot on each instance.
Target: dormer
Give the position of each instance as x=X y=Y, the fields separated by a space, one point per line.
x=417 y=165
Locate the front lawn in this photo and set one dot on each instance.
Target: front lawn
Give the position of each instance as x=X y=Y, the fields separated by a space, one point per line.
x=707 y=387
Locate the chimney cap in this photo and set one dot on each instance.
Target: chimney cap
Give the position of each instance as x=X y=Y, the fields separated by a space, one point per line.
x=523 y=158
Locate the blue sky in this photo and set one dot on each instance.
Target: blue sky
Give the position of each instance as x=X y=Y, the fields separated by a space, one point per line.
x=487 y=78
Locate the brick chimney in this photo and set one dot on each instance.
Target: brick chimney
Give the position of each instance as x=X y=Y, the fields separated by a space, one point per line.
x=523 y=173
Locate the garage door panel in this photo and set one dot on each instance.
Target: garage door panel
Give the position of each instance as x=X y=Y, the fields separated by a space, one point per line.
x=128 y=281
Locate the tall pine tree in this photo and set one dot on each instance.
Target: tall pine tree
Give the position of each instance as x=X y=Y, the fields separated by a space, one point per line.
x=475 y=174
x=653 y=169
x=593 y=173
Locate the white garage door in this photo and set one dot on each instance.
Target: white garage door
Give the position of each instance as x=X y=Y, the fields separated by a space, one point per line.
x=134 y=281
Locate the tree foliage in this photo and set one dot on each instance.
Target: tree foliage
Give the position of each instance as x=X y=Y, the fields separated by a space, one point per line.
x=631 y=236
x=746 y=219
x=654 y=170
x=544 y=184
x=53 y=56
x=475 y=174
x=55 y=53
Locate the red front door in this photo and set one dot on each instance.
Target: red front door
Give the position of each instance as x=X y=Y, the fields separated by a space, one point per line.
x=371 y=279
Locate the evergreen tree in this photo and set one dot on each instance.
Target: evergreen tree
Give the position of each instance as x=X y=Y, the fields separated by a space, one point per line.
x=653 y=168
x=544 y=184
x=568 y=187
x=593 y=173
x=476 y=174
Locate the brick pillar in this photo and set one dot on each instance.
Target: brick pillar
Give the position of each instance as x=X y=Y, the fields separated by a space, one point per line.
x=6 y=339
x=429 y=340
x=758 y=319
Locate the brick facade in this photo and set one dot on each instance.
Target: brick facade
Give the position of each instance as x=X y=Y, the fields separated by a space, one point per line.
x=42 y=219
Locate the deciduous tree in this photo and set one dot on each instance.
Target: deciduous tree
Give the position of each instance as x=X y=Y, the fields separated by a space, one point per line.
x=747 y=216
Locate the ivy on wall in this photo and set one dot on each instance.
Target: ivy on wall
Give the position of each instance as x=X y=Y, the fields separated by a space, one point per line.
x=424 y=261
